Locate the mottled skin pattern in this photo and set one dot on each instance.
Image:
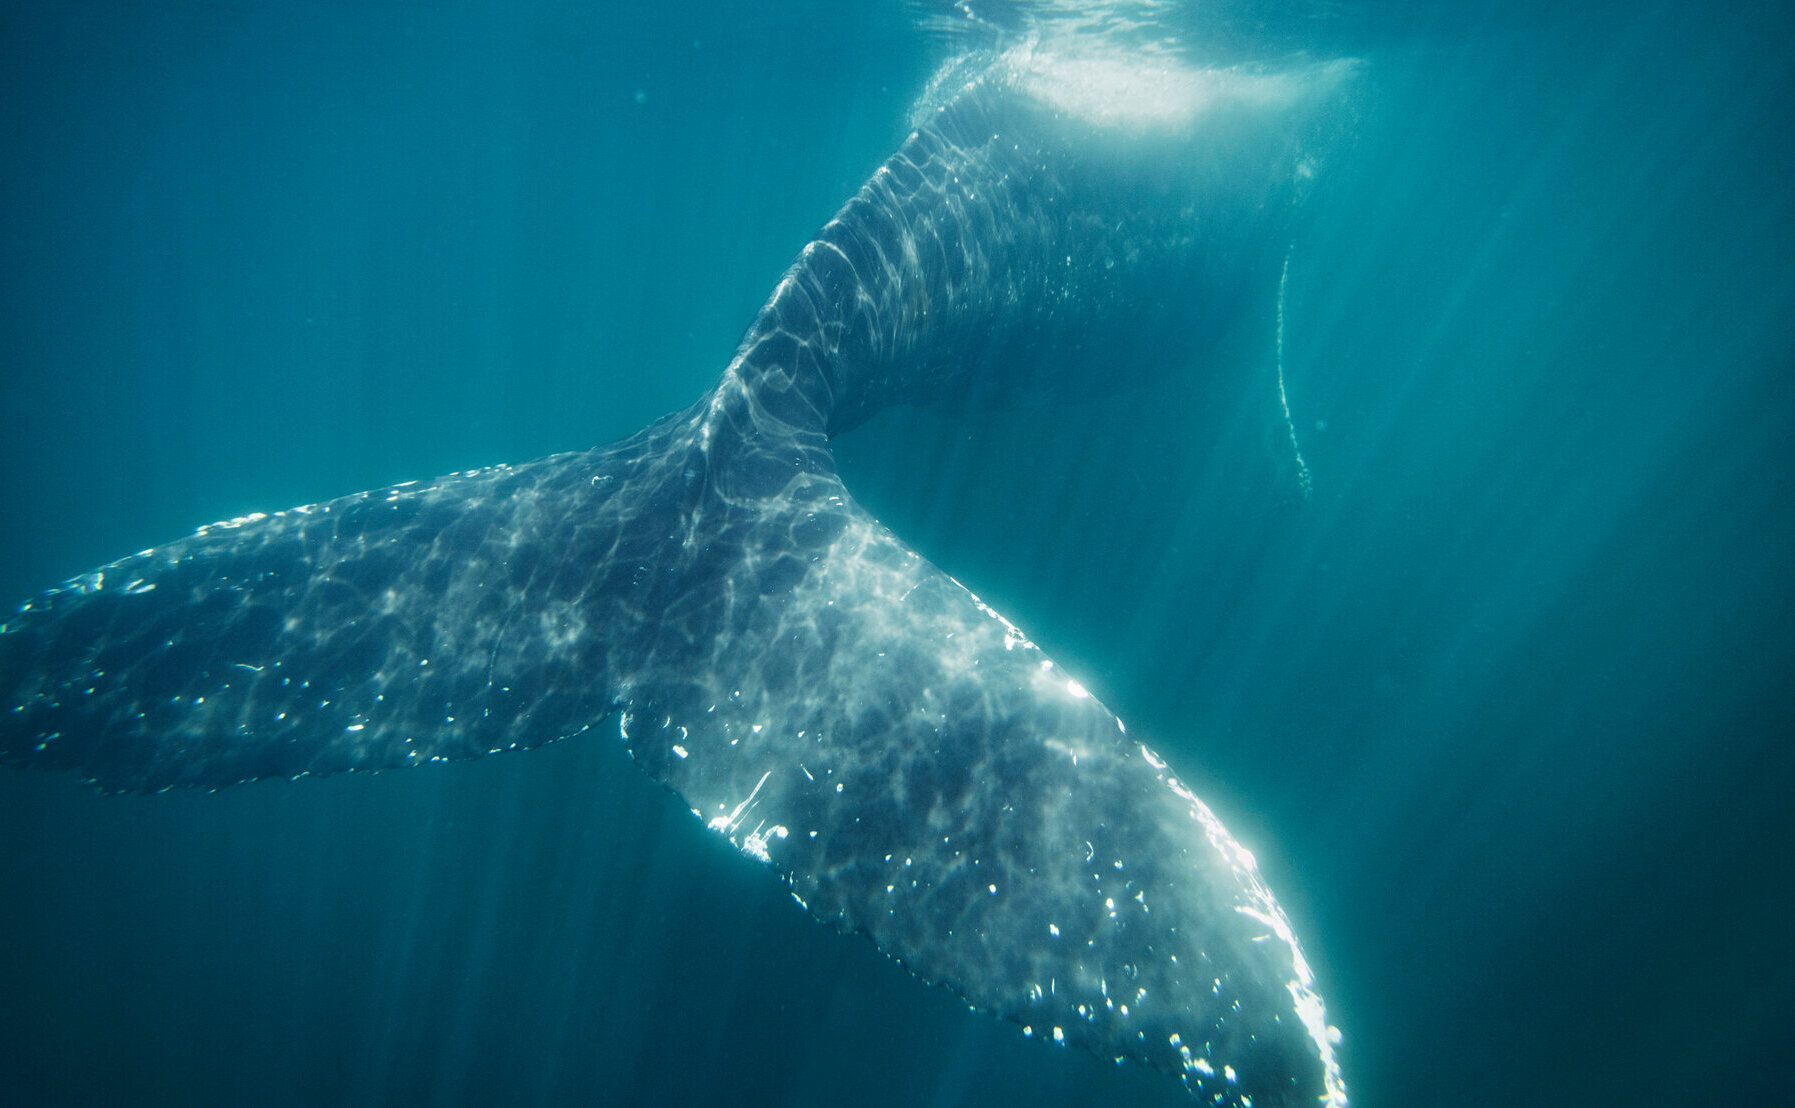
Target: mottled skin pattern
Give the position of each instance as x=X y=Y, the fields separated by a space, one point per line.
x=813 y=688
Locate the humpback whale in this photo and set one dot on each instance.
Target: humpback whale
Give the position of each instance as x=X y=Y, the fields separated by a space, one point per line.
x=844 y=713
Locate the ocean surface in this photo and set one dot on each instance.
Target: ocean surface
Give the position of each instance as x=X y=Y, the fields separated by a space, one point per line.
x=1502 y=709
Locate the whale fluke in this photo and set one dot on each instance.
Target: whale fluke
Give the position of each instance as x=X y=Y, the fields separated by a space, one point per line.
x=815 y=690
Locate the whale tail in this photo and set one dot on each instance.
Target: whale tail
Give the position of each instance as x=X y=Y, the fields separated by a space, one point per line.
x=815 y=690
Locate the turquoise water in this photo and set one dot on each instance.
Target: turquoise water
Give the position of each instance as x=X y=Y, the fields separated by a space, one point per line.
x=1498 y=708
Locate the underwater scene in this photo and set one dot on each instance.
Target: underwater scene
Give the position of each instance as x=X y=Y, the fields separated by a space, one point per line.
x=1384 y=411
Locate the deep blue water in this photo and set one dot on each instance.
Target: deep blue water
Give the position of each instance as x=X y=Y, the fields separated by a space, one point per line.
x=1500 y=709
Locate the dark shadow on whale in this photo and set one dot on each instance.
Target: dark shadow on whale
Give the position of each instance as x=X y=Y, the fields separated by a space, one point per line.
x=814 y=689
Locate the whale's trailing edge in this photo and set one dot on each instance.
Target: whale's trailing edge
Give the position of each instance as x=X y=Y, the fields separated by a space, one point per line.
x=814 y=689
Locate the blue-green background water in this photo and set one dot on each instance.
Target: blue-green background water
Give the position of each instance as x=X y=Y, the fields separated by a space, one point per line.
x=1501 y=709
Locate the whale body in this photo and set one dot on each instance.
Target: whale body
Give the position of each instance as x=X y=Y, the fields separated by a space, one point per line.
x=815 y=690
